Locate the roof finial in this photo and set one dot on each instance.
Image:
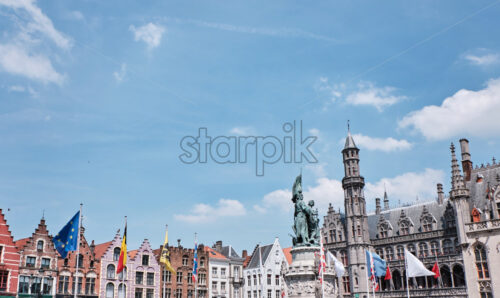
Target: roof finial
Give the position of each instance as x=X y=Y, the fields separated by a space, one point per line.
x=348 y=126
x=43 y=214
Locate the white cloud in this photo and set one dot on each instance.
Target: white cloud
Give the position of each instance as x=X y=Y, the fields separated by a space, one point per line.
x=119 y=75
x=406 y=187
x=466 y=113
x=483 y=60
x=380 y=144
x=204 y=213
x=76 y=15
x=371 y=95
x=150 y=33
x=243 y=131
x=365 y=93
x=38 y=21
x=20 y=88
x=15 y=60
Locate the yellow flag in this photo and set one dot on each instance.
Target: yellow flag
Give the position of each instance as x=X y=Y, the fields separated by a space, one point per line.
x=165 y=255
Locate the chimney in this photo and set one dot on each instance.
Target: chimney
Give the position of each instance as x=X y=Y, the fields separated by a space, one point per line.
x=244 y=254
x=179 y=243
x=466 y=161
x=440 y=193
x=378 y=208
x=218 y=246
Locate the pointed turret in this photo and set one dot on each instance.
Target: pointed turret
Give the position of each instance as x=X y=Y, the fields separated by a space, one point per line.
x=457 y=180
x=349 y=141
x=386 y=200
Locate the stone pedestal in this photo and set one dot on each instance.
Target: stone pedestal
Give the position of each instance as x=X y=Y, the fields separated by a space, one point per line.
x=301 y=277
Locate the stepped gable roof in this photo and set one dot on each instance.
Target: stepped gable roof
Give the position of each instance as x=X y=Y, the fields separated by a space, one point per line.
x=21 y=243
x=100 y=249
x=478 y=190
x=288 y=254
x=131 y=254
x=412 y=212
x=255 y=260
x=213 y=254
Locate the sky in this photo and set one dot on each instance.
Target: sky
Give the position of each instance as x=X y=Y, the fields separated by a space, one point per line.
x=97 y=98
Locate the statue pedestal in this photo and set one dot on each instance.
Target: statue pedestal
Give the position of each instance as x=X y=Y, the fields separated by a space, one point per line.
x=301 y=277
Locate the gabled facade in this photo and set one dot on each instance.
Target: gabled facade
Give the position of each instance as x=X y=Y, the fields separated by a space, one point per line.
x=38 y=266
x=235 y=275
x=143 y=272
x=111 y=284
x=263 y=273
x=9 y=260
x=86 y=281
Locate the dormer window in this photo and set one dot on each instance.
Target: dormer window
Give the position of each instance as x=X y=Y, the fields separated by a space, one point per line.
x=404 y=228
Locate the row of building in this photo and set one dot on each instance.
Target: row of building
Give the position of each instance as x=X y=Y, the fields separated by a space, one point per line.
x=32 y=267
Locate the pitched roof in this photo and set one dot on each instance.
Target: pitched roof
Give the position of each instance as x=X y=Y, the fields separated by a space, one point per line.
x=258 y=251
x=100 y=249
x=288 y=254
x=229 y=252
x=131 y=254
x=21 y=243
x=246 y=261
x=412 y=212
x=478 y=190
x=349 y=141
x=213 y=254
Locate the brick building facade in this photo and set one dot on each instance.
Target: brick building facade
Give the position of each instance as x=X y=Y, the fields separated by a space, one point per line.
x=9 y=260
x=38 y=266
x=181 y=285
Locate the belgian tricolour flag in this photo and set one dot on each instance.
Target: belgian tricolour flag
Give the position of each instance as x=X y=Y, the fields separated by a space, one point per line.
x=122 y=261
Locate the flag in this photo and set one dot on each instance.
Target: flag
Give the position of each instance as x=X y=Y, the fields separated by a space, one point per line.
x=388 y=275
x=165 y=255
x=322 y=263
x=435 y=269
x=67 y=238
x=414 y=267
x=378 y=264
x=122 y=261
x=372 y=273
x=339 y=267
x=195 y=263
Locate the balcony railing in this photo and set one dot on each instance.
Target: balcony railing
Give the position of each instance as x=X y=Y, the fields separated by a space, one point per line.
x=483 y=225
x=237 y=280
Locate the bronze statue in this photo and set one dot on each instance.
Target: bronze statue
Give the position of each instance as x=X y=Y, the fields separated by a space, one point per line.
x=306 y=221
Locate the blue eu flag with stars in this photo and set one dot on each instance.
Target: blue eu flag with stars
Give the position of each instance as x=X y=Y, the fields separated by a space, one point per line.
x=67 y=239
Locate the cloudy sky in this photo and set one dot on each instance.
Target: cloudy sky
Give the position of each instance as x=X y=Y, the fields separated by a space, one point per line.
x=95 y=97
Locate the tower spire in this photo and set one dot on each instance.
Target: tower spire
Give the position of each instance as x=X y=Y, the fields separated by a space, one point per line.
x=457 y=180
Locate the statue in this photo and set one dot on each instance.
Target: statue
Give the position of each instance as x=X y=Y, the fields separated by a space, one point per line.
x=306 y=221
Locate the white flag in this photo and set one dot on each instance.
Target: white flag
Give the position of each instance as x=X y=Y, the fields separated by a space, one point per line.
x=339 y=267
x=415 y=267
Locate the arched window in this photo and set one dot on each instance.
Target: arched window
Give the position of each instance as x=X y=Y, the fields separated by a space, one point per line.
x=110 y=271
x=202 y=262
x=80 y=260
x=343 y=257
x=458 y=276
x=481 y=262
x=389 y=253
x=427 y=224
x=446 y=276
x=110 y=290
x=116 y=254
x=39 y=245
x=423 y=249
x=121 y=290
x=432 y=282
x=185 y=260
x=401 y=252
x=380 y=252
x=447 y=247
x=434 y=248
x=384 y=230
x=476 y=215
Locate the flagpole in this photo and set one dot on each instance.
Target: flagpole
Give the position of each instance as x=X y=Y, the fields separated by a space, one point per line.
x=196 y=279
x=367 y=284
x=164 y=271
x=78 y=250
x=406 y=269
x=323 y=263
x=123 y=275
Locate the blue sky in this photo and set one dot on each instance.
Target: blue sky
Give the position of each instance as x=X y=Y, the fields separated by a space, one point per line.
x=95 y=97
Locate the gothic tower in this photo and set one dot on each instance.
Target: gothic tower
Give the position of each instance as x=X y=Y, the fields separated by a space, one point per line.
x=357 y=236
x=459 y=194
